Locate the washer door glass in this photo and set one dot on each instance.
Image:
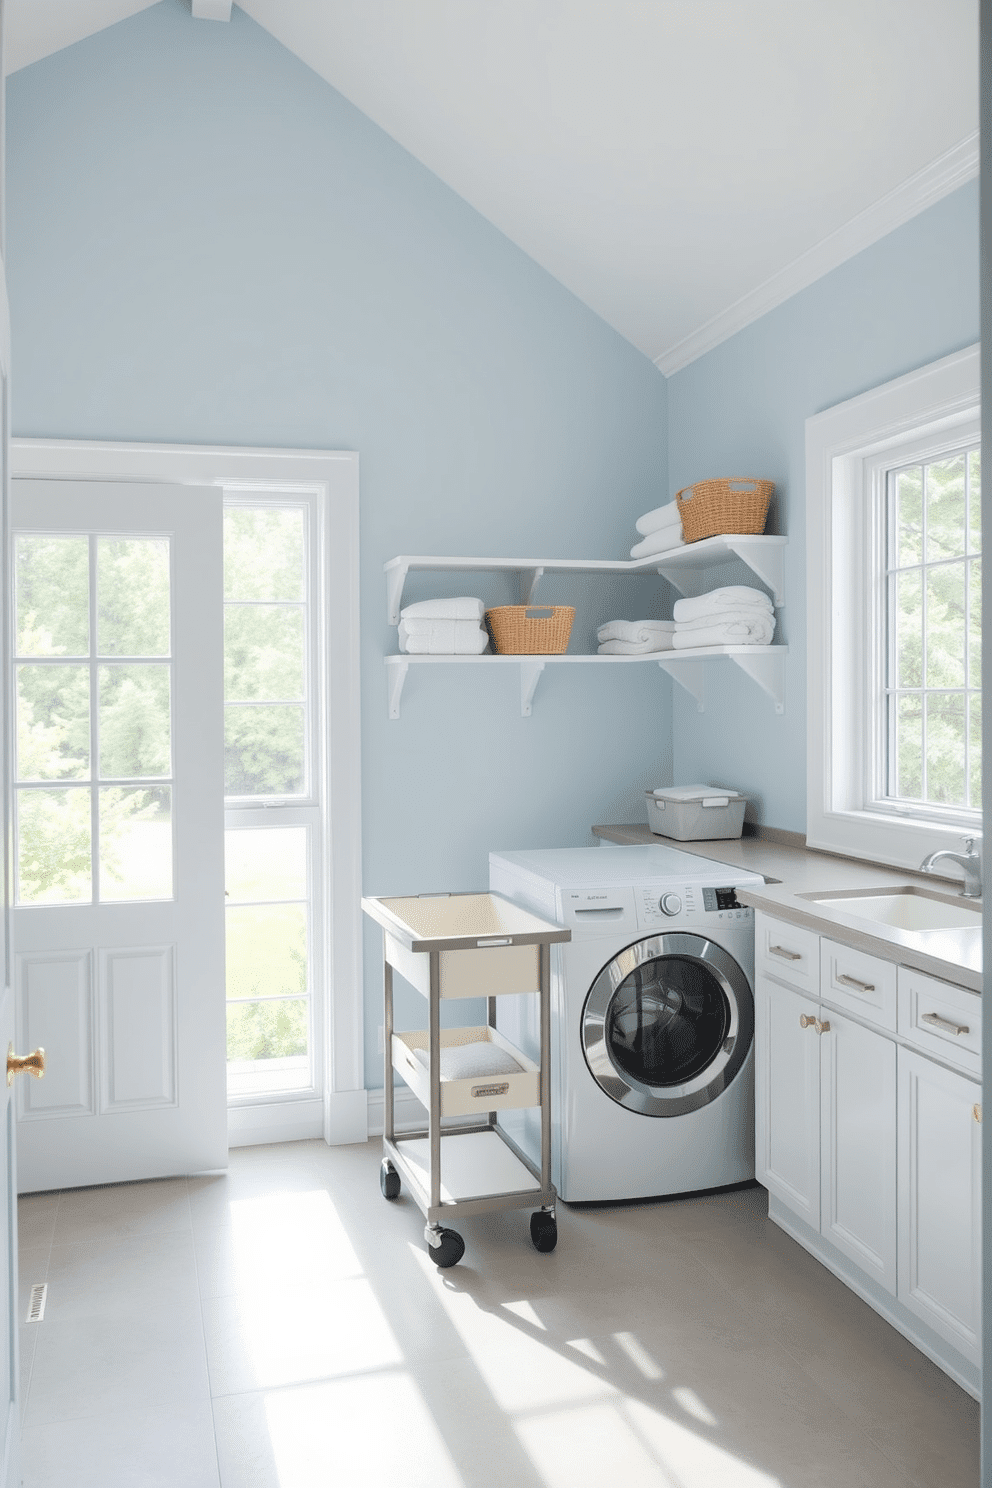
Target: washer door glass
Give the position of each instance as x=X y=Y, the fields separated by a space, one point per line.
x=667 y=1024
x=667 y=1021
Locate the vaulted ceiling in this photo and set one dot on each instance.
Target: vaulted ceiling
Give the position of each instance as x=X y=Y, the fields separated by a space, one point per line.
x=680 y=166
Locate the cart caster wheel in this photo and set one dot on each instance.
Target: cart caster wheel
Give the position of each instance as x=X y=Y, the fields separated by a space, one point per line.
x=389 y=1181
x=543 y=1230
x=449 y=1252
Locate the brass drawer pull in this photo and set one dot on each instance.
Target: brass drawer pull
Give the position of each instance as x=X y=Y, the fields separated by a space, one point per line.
x=936 y=1021
x=785 y=954
x=849 y=981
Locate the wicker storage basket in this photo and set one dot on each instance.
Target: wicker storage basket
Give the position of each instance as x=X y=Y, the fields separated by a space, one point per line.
x=530 y=630
x=730 y=505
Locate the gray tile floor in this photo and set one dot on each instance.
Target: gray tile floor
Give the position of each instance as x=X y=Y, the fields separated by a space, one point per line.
x=282 y=1327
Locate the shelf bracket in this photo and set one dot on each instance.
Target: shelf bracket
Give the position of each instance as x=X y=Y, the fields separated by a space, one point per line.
x=395 y=579
x=529 y=580
x=768 y=670
x=395 y=678
x=767 y=562
x=530 y=672
x=690 y=675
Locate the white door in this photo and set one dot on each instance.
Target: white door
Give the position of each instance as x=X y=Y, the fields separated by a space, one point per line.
x=858 y=1145
x=787 y=1097
x=10 y=1472
x=940 y=1200
x=117 y=918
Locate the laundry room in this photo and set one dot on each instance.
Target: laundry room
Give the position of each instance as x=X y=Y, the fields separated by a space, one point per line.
x=402 y=324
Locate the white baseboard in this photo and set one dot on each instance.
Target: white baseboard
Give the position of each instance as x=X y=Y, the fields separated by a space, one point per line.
x=278 y=1121
x=346 y=1118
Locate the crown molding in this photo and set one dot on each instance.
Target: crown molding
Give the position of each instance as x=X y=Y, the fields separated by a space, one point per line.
x=940 y=178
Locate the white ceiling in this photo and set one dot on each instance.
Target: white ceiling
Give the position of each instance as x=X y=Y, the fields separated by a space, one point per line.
x=679 y=166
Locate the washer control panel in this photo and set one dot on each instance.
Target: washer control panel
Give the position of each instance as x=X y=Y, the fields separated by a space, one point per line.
x=659 y=906
x=725 y=904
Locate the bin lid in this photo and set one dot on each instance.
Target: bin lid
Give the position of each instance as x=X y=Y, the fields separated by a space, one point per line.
x=708 y=794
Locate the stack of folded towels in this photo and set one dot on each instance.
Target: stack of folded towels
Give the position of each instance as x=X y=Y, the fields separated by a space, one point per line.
x=635 y=637
x=660 y=530
x=443 y=627
x=734 y=616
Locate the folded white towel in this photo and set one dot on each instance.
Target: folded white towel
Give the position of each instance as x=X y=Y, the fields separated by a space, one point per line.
x=732 y=597
x=661 y=541
x=444 y=638
x=753 y=615
x=470 y=1061
x=662 y=516
x=464 y=608
x=739 y=632
x=660 y=641
x=634 y=630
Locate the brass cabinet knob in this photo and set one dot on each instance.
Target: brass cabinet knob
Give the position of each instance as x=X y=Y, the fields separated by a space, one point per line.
x=18 y=1063
x=823 y=1027
x=805 y=1021
x=976 y=1111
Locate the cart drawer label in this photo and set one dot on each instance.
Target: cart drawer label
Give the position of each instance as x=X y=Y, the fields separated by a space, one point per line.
x=491 y=1089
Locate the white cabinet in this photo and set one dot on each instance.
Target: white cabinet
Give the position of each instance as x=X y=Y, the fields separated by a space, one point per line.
x=825 y=1123
x=858 y=1144
x=940 y=1194
x=787 y=1097
x=868 y=1134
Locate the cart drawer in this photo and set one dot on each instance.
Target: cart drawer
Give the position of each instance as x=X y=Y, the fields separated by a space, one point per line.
x=485 y=971
x=480 y=1093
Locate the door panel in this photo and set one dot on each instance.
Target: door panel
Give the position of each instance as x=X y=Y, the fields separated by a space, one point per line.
x=940 y=1195
x=858 y=1122
x=787 y=1082
x=118 y=913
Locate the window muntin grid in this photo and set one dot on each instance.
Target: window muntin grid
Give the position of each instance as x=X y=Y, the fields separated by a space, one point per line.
x=930 y=718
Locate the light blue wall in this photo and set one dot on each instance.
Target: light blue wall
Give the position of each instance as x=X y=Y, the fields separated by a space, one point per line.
x=741 y=410
x=207 y=244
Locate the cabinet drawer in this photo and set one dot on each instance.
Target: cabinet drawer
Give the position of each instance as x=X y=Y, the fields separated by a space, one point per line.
x=941 y=1020
x=860 y=984
x=471 y=1094
x=787 y=952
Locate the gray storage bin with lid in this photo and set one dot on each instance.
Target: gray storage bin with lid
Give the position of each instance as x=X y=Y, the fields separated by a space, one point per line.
x=695 y=813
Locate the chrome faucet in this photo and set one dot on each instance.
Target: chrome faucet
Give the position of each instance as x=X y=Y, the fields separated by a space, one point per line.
x=969 y=861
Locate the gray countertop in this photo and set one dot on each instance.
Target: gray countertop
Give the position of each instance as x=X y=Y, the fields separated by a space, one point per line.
x=792 y=871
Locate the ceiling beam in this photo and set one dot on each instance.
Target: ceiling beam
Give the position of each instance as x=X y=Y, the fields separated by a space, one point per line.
x=212 y=10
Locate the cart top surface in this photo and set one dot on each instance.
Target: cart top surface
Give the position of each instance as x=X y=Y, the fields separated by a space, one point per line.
x=427 y=922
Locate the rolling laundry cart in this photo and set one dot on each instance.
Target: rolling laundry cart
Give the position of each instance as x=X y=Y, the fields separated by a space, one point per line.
x=464 y=946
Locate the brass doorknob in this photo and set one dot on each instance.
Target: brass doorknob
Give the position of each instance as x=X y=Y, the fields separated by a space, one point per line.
x=18 y=1063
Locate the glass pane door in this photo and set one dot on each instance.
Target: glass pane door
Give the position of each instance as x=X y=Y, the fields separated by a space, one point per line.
x=93 y=684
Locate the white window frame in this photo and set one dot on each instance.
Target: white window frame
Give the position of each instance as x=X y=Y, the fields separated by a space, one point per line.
x=341 y=1114
x=307 y=809
x=937 y=406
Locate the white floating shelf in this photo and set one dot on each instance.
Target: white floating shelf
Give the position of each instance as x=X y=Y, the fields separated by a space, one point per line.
x=682 y=567
x=764 y=664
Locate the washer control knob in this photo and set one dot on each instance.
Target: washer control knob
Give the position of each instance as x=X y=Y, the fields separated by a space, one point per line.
x=670 y=904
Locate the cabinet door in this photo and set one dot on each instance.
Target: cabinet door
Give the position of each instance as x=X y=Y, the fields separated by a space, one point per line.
x=787 y=1108
x=940 y=1231
x=858 y=1145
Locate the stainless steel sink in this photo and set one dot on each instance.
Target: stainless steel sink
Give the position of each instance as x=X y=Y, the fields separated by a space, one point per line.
x=904 y=908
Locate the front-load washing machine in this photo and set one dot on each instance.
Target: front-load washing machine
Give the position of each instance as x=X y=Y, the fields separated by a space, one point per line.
x=652 y=1019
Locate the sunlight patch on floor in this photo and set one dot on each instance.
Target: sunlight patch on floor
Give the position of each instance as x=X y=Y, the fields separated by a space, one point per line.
x=290 y=1230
